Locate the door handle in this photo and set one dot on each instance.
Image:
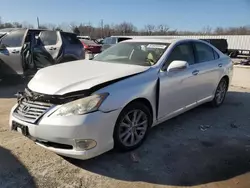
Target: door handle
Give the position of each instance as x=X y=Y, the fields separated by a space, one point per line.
x=52 y=48
x=220 y=65
x=195 y=72
x=15 y=51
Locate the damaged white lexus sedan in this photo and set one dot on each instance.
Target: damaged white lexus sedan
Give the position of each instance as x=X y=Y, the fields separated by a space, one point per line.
x=85 y=108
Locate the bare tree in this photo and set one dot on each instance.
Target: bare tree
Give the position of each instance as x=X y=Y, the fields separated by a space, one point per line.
x=150 y=29
x=27 y=25
x=43 y=27
x=126 y=28
x=207 y=30
x=76 y=30
x=219 y=31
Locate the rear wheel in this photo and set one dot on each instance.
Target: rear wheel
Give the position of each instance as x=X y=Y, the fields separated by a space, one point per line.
x=234 y=54
x=220 y=93
x=132 y=127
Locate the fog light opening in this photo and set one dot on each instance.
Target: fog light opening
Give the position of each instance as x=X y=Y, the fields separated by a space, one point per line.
x=85 y=144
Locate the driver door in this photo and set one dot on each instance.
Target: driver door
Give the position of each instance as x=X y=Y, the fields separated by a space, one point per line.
x=10 y=54
x=177 y=88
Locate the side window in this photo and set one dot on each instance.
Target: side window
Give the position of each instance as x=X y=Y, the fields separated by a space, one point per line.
x=14 y=39
x=182 y=52
x=216 y=55
x=203 y=52
x=107 y=40
x=113 y=40
x=48 y=38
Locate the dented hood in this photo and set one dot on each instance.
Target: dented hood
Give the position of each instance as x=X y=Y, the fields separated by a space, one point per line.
x=79 y=75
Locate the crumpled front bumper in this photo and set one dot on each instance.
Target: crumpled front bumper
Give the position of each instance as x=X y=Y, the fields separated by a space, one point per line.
x=60 y=132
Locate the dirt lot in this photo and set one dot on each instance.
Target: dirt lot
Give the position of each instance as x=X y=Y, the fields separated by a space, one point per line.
x=202 y=148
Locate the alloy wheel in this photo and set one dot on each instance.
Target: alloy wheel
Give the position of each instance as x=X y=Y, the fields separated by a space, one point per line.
x=133 y=127
x=221 y=92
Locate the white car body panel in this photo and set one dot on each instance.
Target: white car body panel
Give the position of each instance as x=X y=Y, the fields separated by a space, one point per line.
x=79 y=75
x=168 y=94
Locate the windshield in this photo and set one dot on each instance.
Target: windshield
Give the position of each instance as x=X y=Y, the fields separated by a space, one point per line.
x=137 y=53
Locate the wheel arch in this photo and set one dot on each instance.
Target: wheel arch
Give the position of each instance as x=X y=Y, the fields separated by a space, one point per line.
x=145 y=102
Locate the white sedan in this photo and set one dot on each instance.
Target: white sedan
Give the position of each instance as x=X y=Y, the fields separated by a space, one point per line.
x=85 y=108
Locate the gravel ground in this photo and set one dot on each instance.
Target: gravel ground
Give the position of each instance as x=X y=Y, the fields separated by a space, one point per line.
x=205 y=147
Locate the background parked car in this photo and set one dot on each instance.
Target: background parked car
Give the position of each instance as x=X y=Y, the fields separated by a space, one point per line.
x=23 y=50
x=221 y=44
x=109 y=41
x=84 y=37
x=99 y=41
x=90 y=46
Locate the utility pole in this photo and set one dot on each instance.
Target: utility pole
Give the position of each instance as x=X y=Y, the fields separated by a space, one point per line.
x=37 y=19
x=102 y=26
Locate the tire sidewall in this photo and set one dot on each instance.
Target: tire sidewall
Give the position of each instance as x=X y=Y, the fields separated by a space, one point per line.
x=214 y=102
x=118 y=145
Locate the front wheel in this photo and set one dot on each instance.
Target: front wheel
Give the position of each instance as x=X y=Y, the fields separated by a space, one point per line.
x=220 y=93
x=132 y=127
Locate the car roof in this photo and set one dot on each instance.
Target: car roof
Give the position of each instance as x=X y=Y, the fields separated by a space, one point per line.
x=162 y=40
x=152 y=40
x=121 y=37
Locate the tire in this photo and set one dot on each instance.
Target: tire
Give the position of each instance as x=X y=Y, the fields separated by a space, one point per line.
x=138 y=131
x=220 y=93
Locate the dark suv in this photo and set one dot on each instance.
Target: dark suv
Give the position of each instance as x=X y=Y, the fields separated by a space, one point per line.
x=23 y=50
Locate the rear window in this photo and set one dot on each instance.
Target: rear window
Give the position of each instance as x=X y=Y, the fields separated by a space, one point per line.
x=216 y=55
x=48 y=38
x=71 y=38
x=204 y=52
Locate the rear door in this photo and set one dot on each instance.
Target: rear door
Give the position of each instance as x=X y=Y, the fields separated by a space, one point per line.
x=10 y=57
x=52 y=42
x=210 y=67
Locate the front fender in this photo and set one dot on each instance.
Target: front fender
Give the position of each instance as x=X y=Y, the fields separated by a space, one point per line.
x=121 y=93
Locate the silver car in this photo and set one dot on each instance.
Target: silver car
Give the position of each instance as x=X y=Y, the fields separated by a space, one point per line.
x=85 y=108
x=23 y=50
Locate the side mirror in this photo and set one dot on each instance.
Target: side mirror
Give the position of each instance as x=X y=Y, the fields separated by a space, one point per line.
x=2 y=47
x=177 y=66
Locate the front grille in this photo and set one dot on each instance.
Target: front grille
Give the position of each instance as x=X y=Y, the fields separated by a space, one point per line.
x=31 y=111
